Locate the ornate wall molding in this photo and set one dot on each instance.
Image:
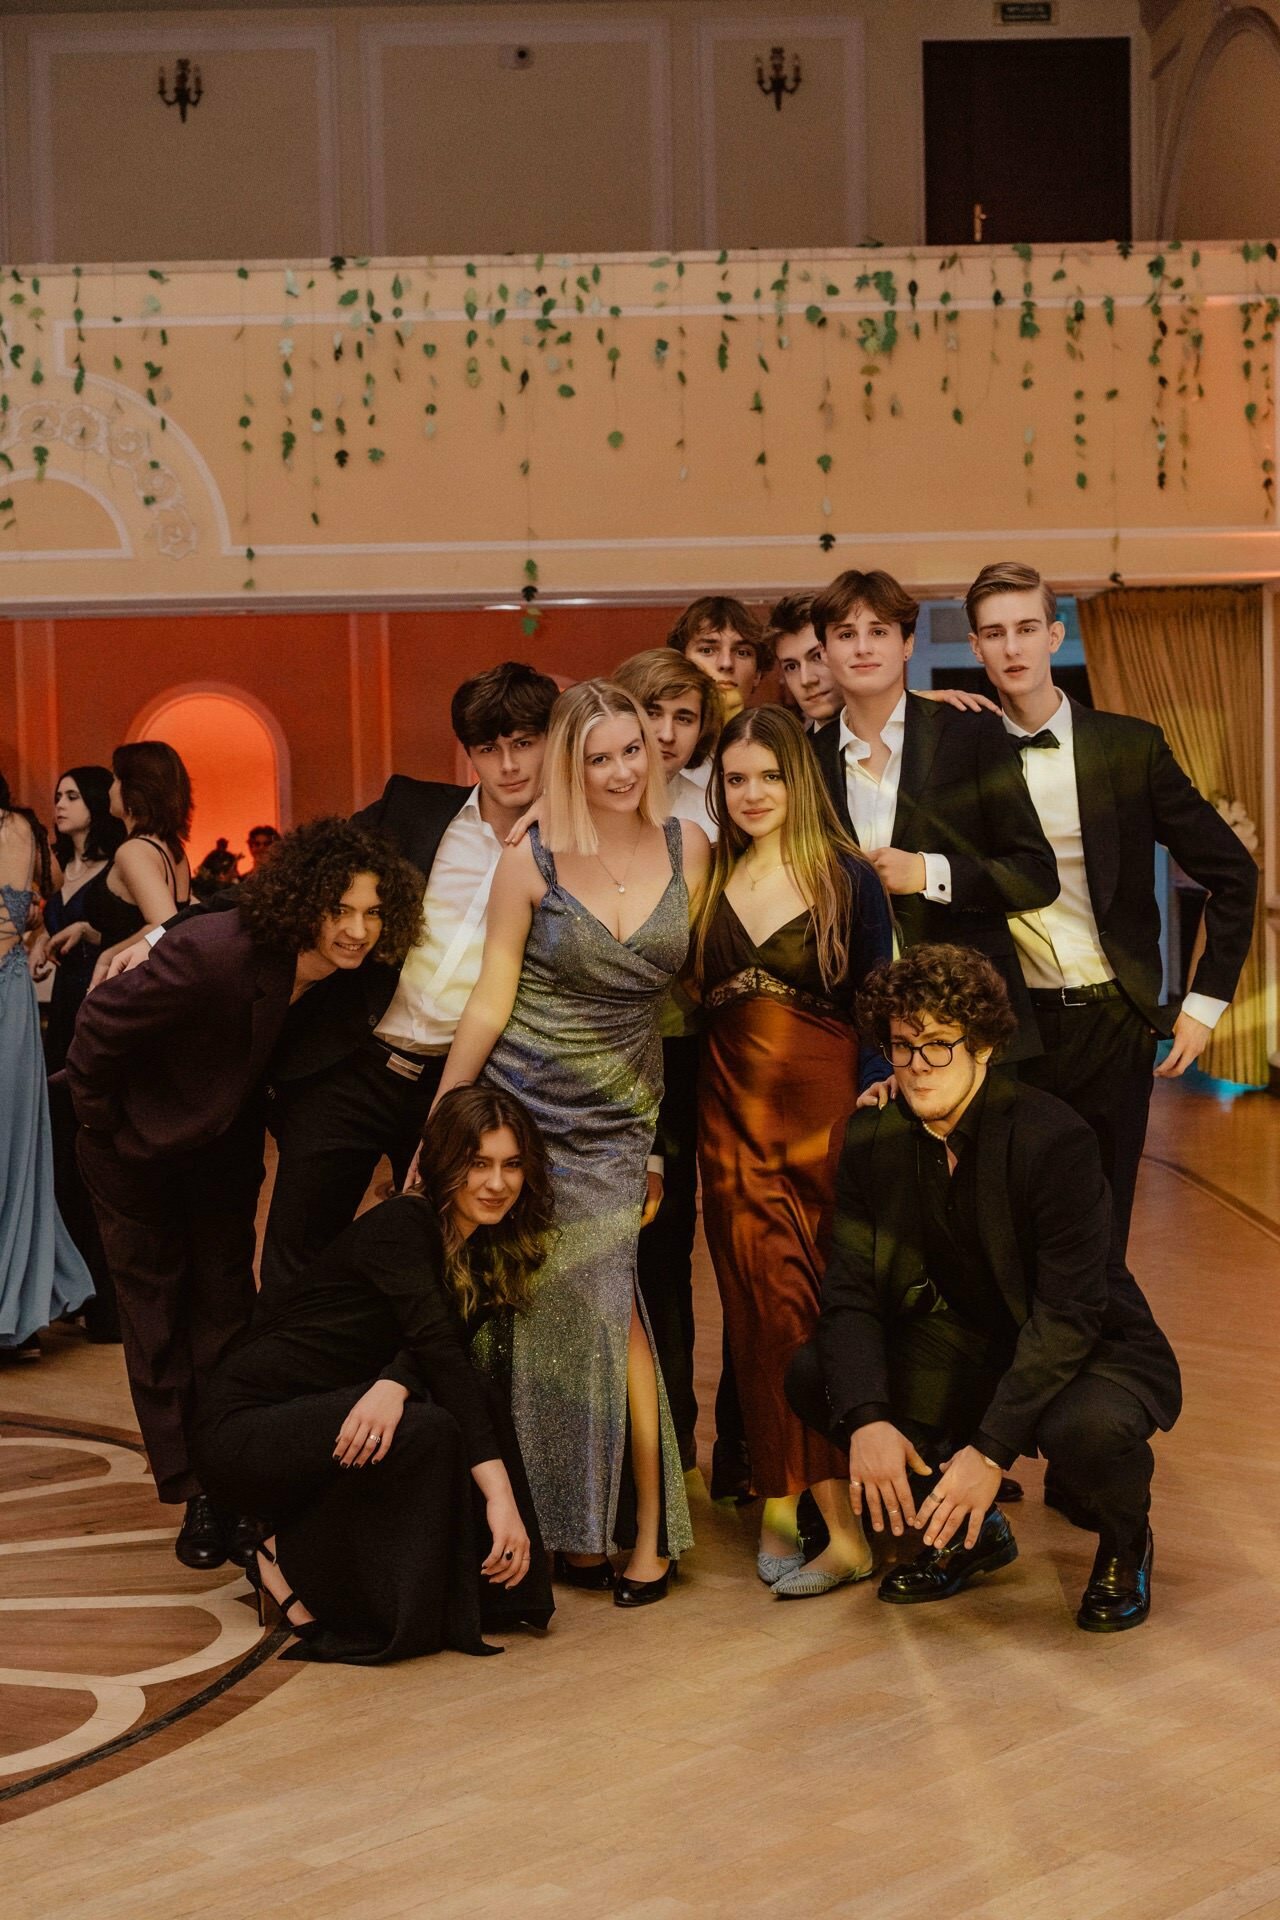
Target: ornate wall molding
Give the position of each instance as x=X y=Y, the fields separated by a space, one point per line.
x=169 y=38
x=1239 y=20
x=88 y=430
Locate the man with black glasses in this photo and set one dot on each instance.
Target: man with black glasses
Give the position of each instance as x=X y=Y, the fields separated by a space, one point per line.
x=970 y=1310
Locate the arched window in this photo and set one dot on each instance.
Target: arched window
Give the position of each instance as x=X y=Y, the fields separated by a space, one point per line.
x=236 y=755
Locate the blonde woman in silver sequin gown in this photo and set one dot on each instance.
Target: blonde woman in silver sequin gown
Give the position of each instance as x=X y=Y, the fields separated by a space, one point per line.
x=588 y=922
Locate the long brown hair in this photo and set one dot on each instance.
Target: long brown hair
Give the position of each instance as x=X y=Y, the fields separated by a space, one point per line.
x=497 y=1265
x=814 y=844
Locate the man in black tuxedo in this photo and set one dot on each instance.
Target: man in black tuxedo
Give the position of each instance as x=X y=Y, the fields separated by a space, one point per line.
x=933 y=796
x=1106 y=790
x=347 y=1094
x=970 y=1312
x=167 y=1069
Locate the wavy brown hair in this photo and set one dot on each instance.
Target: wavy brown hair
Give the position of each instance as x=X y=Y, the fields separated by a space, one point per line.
x=155 y=792
x=814 y=844
x=496 y=1266
x=285 y=903
x=956 y=986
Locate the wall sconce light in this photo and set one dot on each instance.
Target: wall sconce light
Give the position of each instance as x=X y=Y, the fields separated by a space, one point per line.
x=775 y=85
x=188 y=90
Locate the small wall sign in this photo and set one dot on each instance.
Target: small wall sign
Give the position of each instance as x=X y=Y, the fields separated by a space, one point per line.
x=1026 y=13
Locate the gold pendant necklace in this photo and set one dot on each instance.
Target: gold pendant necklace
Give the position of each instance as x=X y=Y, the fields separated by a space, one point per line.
x=783 y=866
x=621 y=885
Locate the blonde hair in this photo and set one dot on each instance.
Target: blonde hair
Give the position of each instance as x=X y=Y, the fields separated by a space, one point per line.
x=660 y=674
x=1008 y=576
x=566 y=825
x=814 y=844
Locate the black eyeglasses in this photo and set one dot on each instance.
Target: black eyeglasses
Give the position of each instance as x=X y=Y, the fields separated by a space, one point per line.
x=934 y=1053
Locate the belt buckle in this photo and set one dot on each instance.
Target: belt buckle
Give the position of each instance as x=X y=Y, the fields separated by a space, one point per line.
x=401 y=1063
x=1082 y=1001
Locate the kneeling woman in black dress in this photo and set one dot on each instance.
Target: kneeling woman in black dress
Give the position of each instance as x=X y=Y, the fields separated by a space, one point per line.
x=351 y=1413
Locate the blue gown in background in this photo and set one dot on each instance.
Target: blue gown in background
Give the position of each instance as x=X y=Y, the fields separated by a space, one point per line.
x=41 y=1274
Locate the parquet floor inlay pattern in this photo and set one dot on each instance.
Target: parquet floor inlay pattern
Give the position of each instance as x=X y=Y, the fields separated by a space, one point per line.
x=721 y=1754
x=107 y=1643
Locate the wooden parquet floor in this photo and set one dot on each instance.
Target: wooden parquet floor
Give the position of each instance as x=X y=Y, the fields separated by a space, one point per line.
x=723 y=1754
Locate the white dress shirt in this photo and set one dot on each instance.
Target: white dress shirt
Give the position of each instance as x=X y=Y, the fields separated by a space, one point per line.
x=1059 y=945
x=437 y=978
x=687 y=800
x=873 y=804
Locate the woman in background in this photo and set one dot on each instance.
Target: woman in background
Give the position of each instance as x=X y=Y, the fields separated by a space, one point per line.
x=87 y=837
x=42 y=1276
x=588 y=923
x=792 y=921
x=149 y=879
x=362 y=1362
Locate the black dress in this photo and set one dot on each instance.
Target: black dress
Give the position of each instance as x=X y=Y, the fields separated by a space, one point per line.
x=387 y=1557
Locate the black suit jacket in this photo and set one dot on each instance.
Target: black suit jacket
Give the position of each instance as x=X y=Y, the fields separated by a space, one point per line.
x=166 y=1058
x=1133 y=795
x=962 y=794
x=1044 y=1220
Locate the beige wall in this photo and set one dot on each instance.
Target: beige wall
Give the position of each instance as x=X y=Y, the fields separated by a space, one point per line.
x=371 y=129
x=461 y=459
x=1215 y=109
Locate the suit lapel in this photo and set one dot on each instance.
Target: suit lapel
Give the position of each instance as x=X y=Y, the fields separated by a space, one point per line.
x=826 y=746
x=1099 y=819
x=995 y=1217
x=899 y=1253
x=273 y=984
x=921 y=734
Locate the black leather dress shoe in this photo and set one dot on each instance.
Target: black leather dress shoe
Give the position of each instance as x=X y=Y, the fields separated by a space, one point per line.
x=1068 y=1505
x=243 y=1533
x=1118 y=1595
x=730 y=1472
x=596 y=1577
x=939 y=1572
x=1009 y=1492
x=202 y=1540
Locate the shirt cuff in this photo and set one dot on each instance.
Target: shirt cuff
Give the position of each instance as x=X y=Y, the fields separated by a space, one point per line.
x=937 y=878
x=154 y=937
x=656 y=1163
x=994 y=1449
x=1203 y=1008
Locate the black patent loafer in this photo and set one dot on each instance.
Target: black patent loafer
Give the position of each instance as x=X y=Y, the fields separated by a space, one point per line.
x=939 y=1572
x=1118 y=1595
x=202 y=1540
x=1009 y=1492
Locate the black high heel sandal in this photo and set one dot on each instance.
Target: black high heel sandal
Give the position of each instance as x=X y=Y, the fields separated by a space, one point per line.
x=599 y=1577
x=643 y=1593
x=304 y=1629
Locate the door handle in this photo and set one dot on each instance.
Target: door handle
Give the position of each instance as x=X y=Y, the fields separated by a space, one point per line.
x=980 y=218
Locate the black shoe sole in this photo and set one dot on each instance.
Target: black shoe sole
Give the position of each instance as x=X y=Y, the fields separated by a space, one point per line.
x=993 y=1562
x=1114 y=1626
x=205 y=1562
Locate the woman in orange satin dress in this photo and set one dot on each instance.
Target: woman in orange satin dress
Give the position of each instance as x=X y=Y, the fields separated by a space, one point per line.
x=793 y=919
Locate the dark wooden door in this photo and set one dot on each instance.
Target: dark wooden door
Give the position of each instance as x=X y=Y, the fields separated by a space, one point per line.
x=1035 y=132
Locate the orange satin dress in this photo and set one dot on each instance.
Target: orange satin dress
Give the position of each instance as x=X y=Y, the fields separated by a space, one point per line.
x=781 y=1072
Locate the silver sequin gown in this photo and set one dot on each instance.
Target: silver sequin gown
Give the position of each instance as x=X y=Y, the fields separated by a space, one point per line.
x=582 y=1051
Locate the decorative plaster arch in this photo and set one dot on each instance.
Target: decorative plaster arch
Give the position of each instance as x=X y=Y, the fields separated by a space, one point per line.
x=1238 y=20
x=56 y=477
x=145 y=718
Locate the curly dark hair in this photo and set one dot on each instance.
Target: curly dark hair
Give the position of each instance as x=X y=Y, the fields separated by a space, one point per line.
x=285 y=903
x=497 y=1265
x=954 y=985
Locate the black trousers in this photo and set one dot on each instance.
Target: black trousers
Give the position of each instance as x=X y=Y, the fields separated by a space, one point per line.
x=1098 y=1058
x=665 y=1254
x=1094 y=1434
x=78 y=1216
x=179 y=1239
x=331 y=1131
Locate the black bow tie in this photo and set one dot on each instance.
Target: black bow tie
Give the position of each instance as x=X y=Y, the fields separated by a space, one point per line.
x=1045 y=738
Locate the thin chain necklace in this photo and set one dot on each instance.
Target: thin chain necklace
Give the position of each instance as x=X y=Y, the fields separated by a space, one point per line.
x=621 y=885
x=783 y=866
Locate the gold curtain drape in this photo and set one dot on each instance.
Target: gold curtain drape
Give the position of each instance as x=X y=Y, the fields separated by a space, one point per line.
x=1190 y=658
